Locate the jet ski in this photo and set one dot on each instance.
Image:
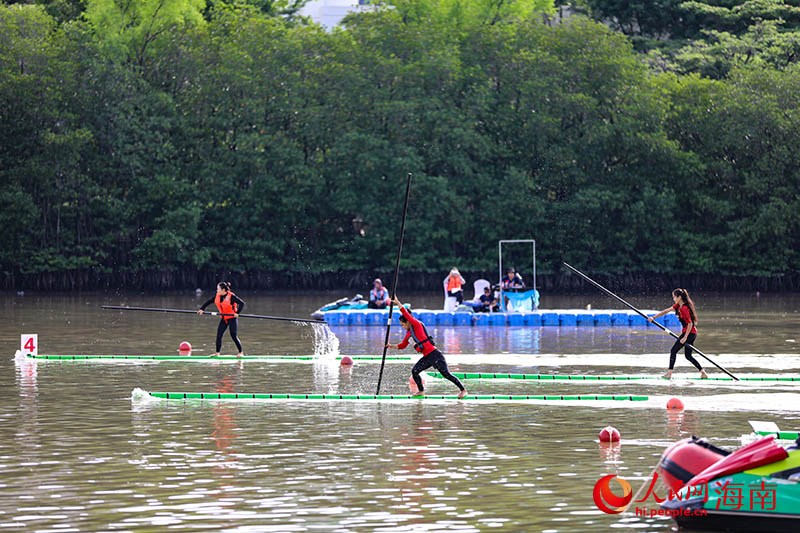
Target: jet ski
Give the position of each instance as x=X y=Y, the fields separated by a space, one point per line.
x=754 y=488
x=342 y=304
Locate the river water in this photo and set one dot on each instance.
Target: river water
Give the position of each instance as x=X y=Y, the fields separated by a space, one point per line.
x=77 y=454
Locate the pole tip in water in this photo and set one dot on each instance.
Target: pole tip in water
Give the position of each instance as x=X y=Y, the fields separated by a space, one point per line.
x=609 y=434
x=346 y=361
x=675 y=404
x=185 y=348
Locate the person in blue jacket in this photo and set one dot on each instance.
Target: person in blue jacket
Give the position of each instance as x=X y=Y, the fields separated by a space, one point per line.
x=378 y=296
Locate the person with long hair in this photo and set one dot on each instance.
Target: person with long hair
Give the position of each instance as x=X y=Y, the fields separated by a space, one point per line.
x=687 y=315
x=423 y=343
x=229 y=306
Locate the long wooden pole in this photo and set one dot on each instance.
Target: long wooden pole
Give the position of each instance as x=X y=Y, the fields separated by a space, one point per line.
x=212 y=313
x=394 y=282
x=664 y=328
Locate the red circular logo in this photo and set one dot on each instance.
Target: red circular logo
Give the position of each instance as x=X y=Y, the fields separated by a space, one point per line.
x=607 y=501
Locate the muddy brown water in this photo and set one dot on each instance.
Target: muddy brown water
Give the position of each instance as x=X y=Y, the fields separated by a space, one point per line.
x=77 y=454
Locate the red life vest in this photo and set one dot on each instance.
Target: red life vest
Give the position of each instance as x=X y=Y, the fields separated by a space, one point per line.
x=422 y=342
x=685 y=316
x=454 y=282
x=225 y=306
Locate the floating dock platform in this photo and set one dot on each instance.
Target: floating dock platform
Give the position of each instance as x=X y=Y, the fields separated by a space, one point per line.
x=578 y=377
x=227 y=396
x=206 y=358
x=540 y=318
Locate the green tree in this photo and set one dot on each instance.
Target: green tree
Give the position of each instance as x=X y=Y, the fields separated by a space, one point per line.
x=132 y=28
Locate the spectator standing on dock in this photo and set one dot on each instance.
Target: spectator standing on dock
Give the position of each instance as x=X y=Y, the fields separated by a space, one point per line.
x=378 y=296
x=229 y=306
x=511 y=281
x=684 y=308
x=423 y=343
x=454 y=283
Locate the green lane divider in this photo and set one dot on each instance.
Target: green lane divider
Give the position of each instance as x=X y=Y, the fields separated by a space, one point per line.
x=257 y=396
x=784 y=435
x=207 y=358
x=569 y=377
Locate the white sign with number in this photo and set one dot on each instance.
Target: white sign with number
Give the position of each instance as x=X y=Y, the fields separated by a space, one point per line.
x=29 y=344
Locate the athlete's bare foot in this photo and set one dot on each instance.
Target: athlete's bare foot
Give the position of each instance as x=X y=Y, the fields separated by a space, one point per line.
x=418 y=394
x=668 y=375
x=703 y=374
x=240 y=354
x=214 y=355
x=462 y=394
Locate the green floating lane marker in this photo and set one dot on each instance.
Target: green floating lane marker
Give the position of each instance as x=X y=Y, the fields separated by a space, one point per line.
x=784 y=435
x=264 y=396
x=570 y=377
x=205 y=357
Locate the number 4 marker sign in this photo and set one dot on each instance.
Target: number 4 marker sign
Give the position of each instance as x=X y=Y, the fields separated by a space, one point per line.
x=29 y=344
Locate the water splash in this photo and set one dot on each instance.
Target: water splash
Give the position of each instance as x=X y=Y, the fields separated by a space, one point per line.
x=326 y=343
x=140 y=395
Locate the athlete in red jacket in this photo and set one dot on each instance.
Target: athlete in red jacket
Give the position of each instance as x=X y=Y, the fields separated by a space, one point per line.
x=423 y=343
x=684 y=308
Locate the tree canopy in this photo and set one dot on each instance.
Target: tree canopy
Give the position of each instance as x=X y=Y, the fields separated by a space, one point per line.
x=185 y=136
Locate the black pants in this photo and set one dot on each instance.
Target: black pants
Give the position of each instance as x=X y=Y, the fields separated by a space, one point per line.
x=436 y=360
x=458 y=295
x=376 y=305
x=687 y=351
x=223 y=325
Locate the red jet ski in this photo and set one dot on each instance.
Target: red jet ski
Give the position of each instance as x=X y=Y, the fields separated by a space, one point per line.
x=755 y=488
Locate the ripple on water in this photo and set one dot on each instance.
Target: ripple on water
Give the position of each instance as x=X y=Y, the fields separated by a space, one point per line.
x=76 y=454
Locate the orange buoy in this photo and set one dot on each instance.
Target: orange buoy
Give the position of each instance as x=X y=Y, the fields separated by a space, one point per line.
x=185 y=348
x=346 y=361
x=674 y=404
x=609 y=434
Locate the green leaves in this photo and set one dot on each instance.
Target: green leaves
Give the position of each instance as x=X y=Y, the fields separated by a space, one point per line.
x=134 y=28
x=158 y=140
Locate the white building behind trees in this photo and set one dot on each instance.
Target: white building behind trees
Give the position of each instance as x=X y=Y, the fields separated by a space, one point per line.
x=329 y=13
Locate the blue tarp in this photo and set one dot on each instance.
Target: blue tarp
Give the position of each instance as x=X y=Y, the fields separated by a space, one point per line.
x=520 y=301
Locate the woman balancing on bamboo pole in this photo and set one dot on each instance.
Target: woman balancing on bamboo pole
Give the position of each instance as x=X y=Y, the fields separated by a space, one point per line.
x=431 y=356
x=229 y=306
x=684 y=308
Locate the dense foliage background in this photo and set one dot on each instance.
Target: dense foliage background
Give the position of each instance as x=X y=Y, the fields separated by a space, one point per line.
x=165 y=142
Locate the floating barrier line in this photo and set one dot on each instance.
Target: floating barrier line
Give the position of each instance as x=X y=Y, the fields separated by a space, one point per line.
x=784 y=435
x=265 y=396
x=208 y=358
x=570 y=377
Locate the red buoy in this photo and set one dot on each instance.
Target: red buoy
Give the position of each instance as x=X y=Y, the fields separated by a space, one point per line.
x=609 y=434
x=674 y=404
x=185 y=348
x=346 y=361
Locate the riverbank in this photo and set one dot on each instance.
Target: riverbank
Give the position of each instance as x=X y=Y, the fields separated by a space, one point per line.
x=349 y=281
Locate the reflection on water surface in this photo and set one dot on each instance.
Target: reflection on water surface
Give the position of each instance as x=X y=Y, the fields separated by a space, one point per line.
x=77 y=454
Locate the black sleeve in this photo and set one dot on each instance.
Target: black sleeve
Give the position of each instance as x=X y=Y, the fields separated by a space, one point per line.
x=209 y=302
x=239 y=303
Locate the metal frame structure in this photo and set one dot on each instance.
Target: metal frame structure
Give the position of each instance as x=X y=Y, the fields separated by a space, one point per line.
x=500 y=257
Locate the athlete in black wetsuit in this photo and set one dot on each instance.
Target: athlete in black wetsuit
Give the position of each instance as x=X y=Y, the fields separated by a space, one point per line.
x=230 y=305
x=431 y=356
